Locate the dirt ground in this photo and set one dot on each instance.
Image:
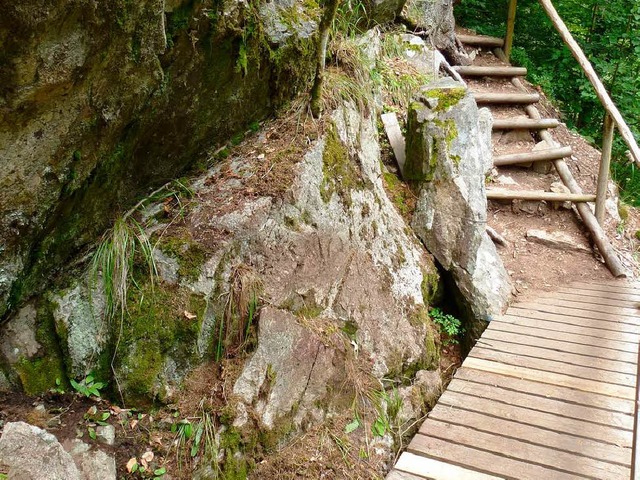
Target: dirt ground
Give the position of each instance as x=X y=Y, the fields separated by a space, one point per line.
x=534 y=267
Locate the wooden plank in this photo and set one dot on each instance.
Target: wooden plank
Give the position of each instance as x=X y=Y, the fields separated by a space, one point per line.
x=555 y=391
x=572 y=426
x=506 y=98
x=583 y=384
x=518 y=450
x=540 y=436
x=490 y=71
x=481 y=40
x=626 y=297
x=425 y=467
x=400 y=475
x=577 y=371
x=541 y=404
x=524 y=124
x=486 y=462
x=613 y=286
x=591 y=74
x=396 y=139
x=594 y=351
x=558 y=356
x=580 y=309
x=587 y=340
x=503 y=194
x=585 y=320
x=565 y=327
x=539 y=156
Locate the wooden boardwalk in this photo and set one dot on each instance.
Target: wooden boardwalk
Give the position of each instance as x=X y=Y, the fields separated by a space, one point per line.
x=548 y=392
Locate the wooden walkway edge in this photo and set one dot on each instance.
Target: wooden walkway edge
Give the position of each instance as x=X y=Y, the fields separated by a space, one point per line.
x=548 y=392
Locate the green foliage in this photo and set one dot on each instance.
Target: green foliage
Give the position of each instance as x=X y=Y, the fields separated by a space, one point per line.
x=607 y=33
x=449 y=324
x=87 y=386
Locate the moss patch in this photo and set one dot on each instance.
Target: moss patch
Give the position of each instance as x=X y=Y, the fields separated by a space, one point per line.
x=400 y=194
x=340 y=175
x=156 y=328
x=190 y=255
x=447 y=97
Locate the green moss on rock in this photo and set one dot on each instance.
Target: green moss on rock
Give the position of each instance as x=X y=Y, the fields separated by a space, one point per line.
x=190 y=255
x=340 y=175
x=446 y=97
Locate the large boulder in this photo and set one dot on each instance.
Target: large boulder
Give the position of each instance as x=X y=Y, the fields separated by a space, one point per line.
x=449 y=155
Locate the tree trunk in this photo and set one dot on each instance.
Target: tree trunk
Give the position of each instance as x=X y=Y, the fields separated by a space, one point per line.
x=328 y=15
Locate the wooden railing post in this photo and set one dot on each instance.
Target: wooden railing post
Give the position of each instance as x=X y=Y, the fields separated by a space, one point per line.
x=511 y=22
x=605 y=165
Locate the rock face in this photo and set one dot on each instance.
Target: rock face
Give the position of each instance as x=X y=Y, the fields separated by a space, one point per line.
x=31 y=453
x=436 y=18
x=101 y=99
x=449 y=154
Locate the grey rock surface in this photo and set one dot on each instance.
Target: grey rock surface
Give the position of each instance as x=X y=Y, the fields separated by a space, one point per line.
x=449 y=151
x=31 y=453
x=557 y=240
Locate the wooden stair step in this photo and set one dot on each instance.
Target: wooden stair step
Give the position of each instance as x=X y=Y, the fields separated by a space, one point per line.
x=503 y=194
x=481 y=40
x=506 y=98
x=491 y=71
x=524 y=123
x=539 y=156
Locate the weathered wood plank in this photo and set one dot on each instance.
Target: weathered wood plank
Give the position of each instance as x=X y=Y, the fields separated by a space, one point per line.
x=612 y=285
x=396 y=139
x=559 y=356
x=577 y=309
x=506 y=98
x=431 y=468
x=565 y=337
x=551 y=391
x=564 y=327
x=538 y=403
x=578 y=371
x=481 y=40
x=519 y=450
x=572 y=308
x=586 y=385
x=539 y=156
x=580 y=318
x=601 y=433
x=561 y=441
x=598 y=296
x=504 y=194
x=524 y=124
x=400 y=475
x=594 y=351
x=490 y=71
x=484 y=461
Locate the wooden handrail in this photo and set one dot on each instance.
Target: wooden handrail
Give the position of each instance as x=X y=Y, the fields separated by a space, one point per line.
x=587 y=68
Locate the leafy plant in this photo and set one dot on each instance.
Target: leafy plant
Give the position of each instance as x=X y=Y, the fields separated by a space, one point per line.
x=88 y=386
x=449 y=324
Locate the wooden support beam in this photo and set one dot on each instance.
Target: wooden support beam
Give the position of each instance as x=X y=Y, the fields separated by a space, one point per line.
x=589 y=219
x=539 y=156
x=501 y=194
x=507 y=98
x=511 y=23
x=493 y=71
x=591 y=74
x=605 y=165
x=481 y=40
x=524 y=123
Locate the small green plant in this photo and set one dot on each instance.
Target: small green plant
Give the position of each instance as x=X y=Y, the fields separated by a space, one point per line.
x=449 y=324
x=87 y=386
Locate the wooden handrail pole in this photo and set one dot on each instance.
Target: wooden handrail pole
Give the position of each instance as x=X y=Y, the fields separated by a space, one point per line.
x=601 y=91
x=511 y=23
x=605 y=165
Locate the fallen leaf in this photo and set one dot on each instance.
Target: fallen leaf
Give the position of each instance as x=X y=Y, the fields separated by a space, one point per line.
x=133 y=424
x=130 y=464
x=92 y=410
x=189 y=315
x=147 y=456
x=155 y=439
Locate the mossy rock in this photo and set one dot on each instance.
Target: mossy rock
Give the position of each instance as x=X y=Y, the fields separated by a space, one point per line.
x=340 y=174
